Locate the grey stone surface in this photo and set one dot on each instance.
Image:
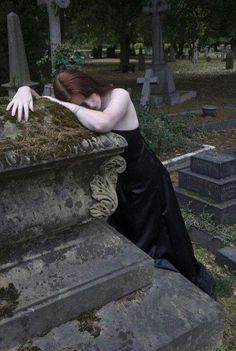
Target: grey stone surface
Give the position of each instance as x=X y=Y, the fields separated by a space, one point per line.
x=223 y=213
x=219 y=190
x=227 y=256
x=170 y=315
x=206 y=240
x=214 y=164
x=146 y=90
x=63 y=278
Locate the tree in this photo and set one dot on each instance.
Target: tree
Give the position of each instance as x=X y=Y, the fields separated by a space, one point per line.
x=186 y=22
x=114 y=22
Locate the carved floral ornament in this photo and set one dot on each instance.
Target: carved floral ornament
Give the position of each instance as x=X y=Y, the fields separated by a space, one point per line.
x=92 y=145
x=103 y=187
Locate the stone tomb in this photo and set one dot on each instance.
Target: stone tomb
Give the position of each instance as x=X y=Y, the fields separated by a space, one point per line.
x=59 y=258
x=210 y=184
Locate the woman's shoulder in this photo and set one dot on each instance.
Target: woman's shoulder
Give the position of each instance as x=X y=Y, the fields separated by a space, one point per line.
x=120 y=92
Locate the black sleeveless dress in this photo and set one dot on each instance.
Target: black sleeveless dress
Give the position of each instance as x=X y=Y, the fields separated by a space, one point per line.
x=148 y=213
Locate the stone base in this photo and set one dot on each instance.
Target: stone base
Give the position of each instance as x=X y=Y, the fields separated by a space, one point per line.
x=170 y=315
x=217 y=189
x=172 y=99
x=83 y=270
x=223 y=213
x=48 y=90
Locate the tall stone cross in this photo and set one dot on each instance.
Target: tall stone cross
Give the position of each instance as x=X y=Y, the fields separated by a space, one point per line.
x=157 y=9
x=54 y=21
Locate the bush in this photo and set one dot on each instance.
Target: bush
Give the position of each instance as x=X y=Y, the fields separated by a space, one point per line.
x=162 y=133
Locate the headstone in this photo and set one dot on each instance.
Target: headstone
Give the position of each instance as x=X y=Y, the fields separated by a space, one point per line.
x=164 y=91
x=18 y=65
x=195 y=53
x=229 y=60
x=54 y=21
x=210 y=184
x=141 y=60
x=146 y=90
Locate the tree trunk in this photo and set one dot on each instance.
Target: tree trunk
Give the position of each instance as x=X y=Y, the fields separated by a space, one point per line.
x=233 y=46
x=124 y=53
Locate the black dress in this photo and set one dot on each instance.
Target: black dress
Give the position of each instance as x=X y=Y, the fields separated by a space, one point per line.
x=148 y=213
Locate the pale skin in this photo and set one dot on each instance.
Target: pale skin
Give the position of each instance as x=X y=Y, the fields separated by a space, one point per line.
x=102 y=114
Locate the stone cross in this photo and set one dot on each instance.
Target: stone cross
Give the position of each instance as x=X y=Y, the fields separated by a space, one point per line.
x=54 y=21
x=18 y=65
x=146 y=81
x=158 y=8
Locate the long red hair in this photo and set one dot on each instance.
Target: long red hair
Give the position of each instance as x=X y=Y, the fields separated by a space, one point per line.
x=71 y=83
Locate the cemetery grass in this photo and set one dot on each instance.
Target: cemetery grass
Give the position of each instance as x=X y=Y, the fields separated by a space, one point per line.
x=226 y=295
x=213 y=83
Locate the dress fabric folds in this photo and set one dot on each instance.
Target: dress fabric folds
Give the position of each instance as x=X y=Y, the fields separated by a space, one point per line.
x=148 y=213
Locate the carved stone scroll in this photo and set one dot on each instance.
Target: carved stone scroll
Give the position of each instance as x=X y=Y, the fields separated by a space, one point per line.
x=103 y=188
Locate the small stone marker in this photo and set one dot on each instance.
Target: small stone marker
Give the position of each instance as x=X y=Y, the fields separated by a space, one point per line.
x=146 y=91
x=227 y=256
x=210 y=184
x=18 y=65
x=141 y=60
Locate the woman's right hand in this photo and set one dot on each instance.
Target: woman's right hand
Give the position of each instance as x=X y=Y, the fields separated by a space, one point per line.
x=21 y=103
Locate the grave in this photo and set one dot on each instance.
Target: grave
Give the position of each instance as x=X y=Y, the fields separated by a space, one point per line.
x=164 y=91
x=18 y=65
x=229 y=60
x=210 y=184
x=59 y=258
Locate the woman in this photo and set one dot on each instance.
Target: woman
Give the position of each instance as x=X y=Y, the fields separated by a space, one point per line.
x=148 y=213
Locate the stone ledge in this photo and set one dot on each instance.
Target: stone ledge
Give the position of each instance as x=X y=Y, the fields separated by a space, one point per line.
x=227 y=256
x=170 y=315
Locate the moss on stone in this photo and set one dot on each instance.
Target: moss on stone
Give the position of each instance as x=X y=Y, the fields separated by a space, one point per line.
x=28 y=347
x=89 y=322
x=8 y=300
x=199 y=196
x=51 y=132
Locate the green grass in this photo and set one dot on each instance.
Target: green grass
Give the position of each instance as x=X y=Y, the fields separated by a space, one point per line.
x=226 y=295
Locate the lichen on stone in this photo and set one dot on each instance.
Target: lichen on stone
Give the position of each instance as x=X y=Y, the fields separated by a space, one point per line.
x=51 y=132
x=8 y=300
x=28 y=347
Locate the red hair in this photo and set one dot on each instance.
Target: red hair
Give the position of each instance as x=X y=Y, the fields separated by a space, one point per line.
x=70 y=83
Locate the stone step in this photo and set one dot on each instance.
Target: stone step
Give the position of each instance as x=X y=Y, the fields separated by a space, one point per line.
x=217 y=189
x=213 y=164
x=171 y=314
x=58 y=283
x=223 y=213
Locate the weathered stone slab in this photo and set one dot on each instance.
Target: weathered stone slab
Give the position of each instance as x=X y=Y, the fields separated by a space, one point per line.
x=54 y=173
x=227 y=256
x=170 y=315
x=217 y=189
x=57 y=280
x=223 y=213
x=214 y=164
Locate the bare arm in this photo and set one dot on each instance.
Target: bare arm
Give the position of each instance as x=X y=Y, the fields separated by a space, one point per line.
x=101 y=121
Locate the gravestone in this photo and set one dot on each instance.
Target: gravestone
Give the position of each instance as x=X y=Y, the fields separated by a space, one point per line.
x=57 y=256
x=229 y=60
x=60 y=259
x=210 y=184
x=146 y=90
x=164 y=90
x=53 y=7
x=18 y=65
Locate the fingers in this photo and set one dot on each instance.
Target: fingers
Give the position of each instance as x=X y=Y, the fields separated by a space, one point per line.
x=31 y=106
x=26 y=112
x=9 y=105
x=20 y=108
x=13 y=111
